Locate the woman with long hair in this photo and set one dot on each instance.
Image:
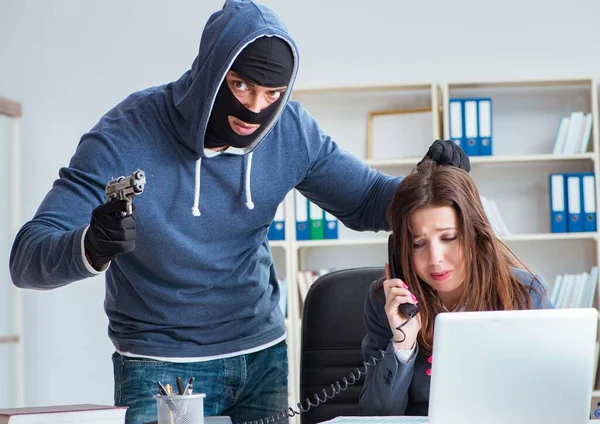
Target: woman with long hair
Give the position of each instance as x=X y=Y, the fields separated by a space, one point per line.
x=450 y=260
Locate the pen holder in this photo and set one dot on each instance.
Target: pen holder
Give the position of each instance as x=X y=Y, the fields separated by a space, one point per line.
x=180 y=409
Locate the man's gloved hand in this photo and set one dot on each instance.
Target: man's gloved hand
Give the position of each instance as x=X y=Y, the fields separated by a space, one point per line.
x=447 y=152
x=109 y=234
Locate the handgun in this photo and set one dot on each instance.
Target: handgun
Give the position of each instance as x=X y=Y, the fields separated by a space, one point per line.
x=124 y=188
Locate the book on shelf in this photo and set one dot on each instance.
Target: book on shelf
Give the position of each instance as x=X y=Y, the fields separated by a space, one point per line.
x=283 y=295
x=470 y=122
x=493 y=214
x=572 y=202
x=573 y=134
x=306 y=278
x=312 y=222
x=302 y=223
x=277 y=228
x=316 y=219
x=575 y=290
x=64 y=414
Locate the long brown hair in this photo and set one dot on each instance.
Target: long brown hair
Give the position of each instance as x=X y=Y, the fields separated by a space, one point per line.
x=489 y=282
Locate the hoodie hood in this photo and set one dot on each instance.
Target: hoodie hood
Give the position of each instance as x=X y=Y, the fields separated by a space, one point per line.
x=225 y=35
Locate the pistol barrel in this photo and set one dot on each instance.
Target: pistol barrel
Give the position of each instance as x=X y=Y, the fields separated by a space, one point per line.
x=124 y=188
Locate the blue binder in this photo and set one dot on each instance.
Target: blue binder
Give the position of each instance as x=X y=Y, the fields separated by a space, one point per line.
x=331 y=226
x=558 y=211
x=302 y=227
x=574 y=213
x=282 y=298
x=277 y=227
x=588 y=199
x=470 y=121
x=456 y=122
x=484 y=110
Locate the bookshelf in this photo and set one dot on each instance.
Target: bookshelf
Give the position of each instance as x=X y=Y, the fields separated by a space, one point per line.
x=11 y=350
x=526 y=114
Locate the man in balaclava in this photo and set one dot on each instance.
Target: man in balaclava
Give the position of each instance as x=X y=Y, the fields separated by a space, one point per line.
x=195 y=293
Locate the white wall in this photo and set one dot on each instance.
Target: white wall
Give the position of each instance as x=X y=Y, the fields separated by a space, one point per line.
x=68 y=61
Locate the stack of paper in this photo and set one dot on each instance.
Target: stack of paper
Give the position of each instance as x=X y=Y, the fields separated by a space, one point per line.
x=64 y=414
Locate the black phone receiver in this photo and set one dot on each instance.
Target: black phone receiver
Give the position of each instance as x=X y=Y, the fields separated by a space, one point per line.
x=408 y=309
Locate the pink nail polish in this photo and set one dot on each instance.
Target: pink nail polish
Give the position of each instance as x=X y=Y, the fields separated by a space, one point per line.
x=413 y=297
x=428 y=372
x=430 y=359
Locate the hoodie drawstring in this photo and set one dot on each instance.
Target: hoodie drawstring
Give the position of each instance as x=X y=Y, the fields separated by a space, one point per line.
x=249 y=202
x=196 y=207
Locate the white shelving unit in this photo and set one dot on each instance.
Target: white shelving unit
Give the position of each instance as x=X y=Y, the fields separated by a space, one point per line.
x=11 y=350
x=526 y=114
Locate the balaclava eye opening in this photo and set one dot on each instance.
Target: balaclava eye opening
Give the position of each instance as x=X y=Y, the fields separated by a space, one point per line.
x=267 y=62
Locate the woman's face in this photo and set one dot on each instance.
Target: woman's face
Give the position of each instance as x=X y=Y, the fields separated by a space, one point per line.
x=437 y=251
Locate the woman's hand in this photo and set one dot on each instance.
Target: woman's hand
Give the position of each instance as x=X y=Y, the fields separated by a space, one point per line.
x=397 y=293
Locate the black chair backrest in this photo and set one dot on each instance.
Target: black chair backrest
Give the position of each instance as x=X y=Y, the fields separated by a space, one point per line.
x=332 y=332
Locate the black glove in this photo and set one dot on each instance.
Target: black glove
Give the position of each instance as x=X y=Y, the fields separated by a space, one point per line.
x=447 y=152
x=110 y=233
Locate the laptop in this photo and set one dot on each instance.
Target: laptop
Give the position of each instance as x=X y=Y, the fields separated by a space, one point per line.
x=529 y=367
x=508 y=367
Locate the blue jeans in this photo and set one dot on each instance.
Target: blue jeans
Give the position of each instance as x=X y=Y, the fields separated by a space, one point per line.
x=246 y=387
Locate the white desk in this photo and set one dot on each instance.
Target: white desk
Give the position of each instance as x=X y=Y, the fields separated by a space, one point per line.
x=386 y=420
x=377 y=420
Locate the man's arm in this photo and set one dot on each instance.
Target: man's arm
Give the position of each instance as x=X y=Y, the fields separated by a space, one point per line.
x=351 y=190
x=48 y=250
x=342 y=184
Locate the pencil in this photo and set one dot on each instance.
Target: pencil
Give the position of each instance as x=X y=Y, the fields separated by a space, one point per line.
x=170 y=393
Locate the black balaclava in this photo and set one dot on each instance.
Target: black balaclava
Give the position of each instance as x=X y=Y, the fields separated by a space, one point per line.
x=268 y=62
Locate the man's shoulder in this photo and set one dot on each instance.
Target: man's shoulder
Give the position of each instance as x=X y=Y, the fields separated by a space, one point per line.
x=296 y=123
x=138 y=103
x=293 y=110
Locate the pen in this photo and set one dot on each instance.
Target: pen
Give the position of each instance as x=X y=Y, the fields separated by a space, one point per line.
x=161 y=389
x=188 y=388
x=180 y=390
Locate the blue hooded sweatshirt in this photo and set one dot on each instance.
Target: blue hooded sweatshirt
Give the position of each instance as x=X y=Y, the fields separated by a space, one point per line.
x=200 y=281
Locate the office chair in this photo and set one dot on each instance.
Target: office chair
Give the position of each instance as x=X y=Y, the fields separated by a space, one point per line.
x=332 y=332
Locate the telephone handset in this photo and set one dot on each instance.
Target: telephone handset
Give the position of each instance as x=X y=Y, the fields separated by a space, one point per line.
x=408 y=309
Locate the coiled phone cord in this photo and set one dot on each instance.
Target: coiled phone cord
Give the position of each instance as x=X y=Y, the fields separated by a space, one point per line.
x=399 y=328
x=336 y=388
